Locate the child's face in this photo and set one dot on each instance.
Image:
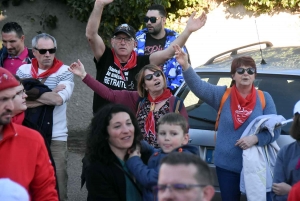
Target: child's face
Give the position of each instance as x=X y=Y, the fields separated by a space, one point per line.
x=170 y=137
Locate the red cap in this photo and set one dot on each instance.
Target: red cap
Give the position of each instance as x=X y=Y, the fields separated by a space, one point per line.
x=7 y=80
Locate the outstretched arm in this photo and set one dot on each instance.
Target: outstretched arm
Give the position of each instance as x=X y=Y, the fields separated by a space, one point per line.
x=193 y=24
x=96 y=42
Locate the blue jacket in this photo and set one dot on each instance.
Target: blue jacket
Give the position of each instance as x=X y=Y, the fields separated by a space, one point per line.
x=171 y=68
x=147 y=175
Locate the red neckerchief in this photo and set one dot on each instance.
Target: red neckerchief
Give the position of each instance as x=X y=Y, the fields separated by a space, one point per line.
x=149 y=122
x=34 y=68
x=241 y=108
x=131 y=63
x=19 y=118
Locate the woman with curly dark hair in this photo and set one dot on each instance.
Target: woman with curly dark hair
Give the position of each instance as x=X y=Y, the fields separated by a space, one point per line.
x=287 y=168
x=113 y=132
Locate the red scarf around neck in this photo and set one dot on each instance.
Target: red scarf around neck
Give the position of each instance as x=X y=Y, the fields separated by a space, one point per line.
x=241 y=108
x=34 y=68
x=150 y=122
x=19 y=118
x=131 y=63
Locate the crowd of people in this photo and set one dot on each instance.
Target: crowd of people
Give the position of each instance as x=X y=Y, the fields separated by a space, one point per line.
x=137 y=143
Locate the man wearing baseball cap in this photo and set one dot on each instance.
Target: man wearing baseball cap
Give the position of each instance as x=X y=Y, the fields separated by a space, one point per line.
x=117 y=66
x=23 y=155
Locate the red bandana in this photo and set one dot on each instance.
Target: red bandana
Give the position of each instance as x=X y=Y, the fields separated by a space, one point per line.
x=131 y=63
x=241 y=108
x=34 y=68
x=19 y=118
x=149 y=122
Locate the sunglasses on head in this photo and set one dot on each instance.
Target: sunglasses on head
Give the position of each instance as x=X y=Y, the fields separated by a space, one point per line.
x=44 y=51
x=152 y=19
x=241 y=71
x=150 y=76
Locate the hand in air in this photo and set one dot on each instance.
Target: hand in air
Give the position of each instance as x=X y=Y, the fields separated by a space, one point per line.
x=194 y=24
x=181 y=57
x=77 y=68
x=103 y=2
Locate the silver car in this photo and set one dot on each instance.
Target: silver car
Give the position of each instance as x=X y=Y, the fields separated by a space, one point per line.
x=278 y=72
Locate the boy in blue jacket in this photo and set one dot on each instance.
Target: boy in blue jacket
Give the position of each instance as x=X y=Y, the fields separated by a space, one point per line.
x=172 y=136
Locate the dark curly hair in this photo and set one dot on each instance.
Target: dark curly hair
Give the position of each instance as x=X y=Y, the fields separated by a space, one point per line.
x=97 y=148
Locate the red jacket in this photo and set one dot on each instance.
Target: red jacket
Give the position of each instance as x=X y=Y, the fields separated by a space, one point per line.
x=294 y=194
x=24 y=159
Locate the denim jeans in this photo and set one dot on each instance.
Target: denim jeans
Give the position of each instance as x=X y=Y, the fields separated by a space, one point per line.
x=229 y=183
x=60 y=154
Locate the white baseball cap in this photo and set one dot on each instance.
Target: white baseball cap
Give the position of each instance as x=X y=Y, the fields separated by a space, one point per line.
x=12 y=191
x=297 y=108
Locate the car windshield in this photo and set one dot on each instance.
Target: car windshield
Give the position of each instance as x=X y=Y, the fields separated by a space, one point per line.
x=282 y=88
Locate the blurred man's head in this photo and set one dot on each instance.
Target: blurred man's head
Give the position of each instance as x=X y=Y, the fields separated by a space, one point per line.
x=13 y=38
x=184 y=177
x=155 y=19
x=7 y=93
x=44 y=47
x=123 y=41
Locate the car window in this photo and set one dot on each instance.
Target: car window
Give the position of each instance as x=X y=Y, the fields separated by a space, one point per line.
x=282 y=88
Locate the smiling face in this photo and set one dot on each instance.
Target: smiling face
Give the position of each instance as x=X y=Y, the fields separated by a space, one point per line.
x=157 y=27
x=122 y=47
x=156 y=84
x=19 y=100
x=13 y=43
x=121 y=132
x=245 y=79
x=170 y=137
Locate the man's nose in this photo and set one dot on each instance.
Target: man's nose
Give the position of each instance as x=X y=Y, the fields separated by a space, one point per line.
x=10 y=105
x=8 y=45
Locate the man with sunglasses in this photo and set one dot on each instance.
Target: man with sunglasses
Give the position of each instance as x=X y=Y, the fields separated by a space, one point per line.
x=118 y=66
x=54 y=74
x=14 y=53
x=184 y=177
x=156 y=37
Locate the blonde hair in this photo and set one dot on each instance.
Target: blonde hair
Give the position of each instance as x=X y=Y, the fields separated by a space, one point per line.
x=141 y=81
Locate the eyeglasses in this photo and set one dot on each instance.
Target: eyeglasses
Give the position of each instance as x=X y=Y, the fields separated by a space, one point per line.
x=44 y=51
x=241 y=71
x=176 y=187
x=152 y=19
x=120 y=39
x=150 y=76
x=21 y=92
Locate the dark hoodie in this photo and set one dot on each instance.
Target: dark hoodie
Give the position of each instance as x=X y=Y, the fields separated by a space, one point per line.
x=147 y=175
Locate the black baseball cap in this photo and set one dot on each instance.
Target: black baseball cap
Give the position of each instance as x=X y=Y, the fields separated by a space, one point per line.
x=127 y=29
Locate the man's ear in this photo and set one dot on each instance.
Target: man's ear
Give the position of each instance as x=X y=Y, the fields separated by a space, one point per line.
x=208 y=193
x=22 y=38
x=186 y=138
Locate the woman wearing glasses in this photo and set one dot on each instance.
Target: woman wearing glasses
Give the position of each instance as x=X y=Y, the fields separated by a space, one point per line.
x=240 y=108
x=151 y=100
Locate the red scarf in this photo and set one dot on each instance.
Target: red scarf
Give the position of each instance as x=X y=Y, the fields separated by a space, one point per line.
x=19 y=118
x=241 y=108
x=131 y=63
x=34 y=68
x=149 y=122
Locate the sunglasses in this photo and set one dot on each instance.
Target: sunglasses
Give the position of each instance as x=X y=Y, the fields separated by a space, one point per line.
x=44 y=51
x=241 y=71
x=176 y=187
x=150 y=76
x=152 y=19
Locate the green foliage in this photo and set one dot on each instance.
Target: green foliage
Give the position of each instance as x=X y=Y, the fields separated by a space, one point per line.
x=133 y=11
x=267 y=6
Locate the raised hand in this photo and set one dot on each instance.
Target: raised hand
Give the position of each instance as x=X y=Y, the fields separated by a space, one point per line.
x=193 y=24
x=103 y=2
x=77 y=68
x=181 y=57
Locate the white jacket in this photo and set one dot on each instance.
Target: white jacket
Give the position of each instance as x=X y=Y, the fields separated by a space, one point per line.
x=256 y=175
